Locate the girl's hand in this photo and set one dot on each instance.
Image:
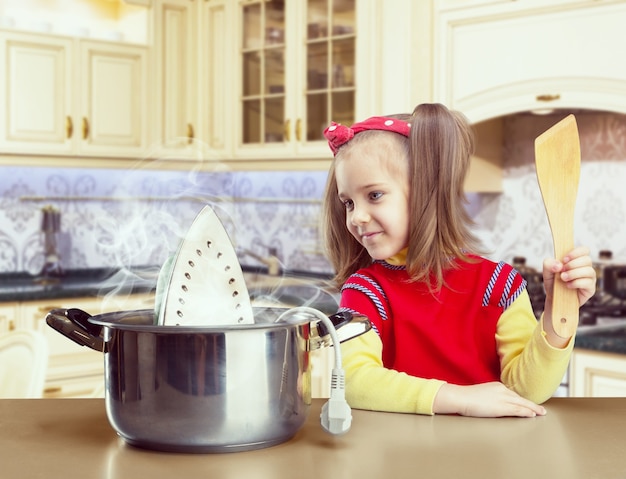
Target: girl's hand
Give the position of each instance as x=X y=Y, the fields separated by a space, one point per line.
x=575 y=270
x=492 y=399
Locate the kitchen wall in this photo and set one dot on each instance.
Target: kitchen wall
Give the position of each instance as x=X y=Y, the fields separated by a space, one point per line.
x=514 y=222
x=136 y=217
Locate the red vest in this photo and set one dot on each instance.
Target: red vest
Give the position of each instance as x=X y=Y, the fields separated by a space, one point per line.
x=448 y=336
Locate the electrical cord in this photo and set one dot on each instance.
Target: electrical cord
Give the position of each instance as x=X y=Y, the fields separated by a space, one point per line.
x=336 y=415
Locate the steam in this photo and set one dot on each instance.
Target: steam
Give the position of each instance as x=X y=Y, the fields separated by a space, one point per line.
x=148 y=218
x=143 y=219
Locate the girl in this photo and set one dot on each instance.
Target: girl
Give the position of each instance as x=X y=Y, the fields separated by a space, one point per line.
x=452 y=331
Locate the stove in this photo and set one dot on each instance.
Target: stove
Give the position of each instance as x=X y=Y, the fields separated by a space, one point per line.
x=609 y=302
x=606 y=306
x=601 y=308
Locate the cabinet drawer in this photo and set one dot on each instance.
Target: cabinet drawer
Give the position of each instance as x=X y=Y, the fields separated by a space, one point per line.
x=78 y=374
x=33 y=316
x=74 y=388
x=597 y=374
x=8 y=317
x=74 y=370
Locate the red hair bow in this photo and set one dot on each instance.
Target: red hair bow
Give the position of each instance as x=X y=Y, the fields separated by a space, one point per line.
x=338 y=134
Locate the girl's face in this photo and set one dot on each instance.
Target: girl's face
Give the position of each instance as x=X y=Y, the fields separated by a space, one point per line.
x=376 y=200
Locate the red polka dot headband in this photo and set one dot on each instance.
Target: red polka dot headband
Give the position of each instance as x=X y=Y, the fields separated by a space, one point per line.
x=338 y=134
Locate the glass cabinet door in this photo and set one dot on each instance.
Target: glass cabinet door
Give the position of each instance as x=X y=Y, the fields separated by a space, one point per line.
x=263 y=69
x=325 y=40
x=330 y=45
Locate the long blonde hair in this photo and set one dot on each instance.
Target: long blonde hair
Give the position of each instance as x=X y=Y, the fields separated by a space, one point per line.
x=439 y=148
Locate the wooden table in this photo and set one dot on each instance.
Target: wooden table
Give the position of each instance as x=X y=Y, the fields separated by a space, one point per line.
x=579 y=438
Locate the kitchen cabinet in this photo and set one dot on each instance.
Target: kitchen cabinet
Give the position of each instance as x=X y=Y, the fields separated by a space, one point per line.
x=8 y=315
x=193 y=93
x=500 y=57
x=176 y=76
x=113 y=102
x=73 y=370
x=298 y=67
x=322 y=364
x=192 y=76
x=597 y=374
x=216 y=78
x=36 y=89
x=302 y=64
x=254 y=83
x=70 y=97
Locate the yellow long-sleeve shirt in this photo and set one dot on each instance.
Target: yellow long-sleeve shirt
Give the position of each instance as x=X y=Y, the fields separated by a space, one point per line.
x=529 y=366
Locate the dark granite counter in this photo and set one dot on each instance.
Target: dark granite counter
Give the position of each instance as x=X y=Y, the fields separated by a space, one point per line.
x=95 y=282
x=77 y=283
x=610 y=339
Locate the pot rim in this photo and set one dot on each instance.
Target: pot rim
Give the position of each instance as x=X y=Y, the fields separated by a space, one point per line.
x=115 y=320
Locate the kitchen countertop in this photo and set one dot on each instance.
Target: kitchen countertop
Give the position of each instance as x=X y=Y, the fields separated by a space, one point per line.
x=578 y=438
x=291 y=288
x=22 y=286
x=76 y=283
x=610 y=339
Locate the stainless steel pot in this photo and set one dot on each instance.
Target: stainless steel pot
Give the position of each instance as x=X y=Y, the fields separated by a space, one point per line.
x=204 y=389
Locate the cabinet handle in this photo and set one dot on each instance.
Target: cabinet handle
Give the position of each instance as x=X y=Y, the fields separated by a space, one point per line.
x=52 y=390
x=548 y=97
x=11 y=325
x=287 y=130
x=298 y=129
x=85 y=128
x=47 y=309
x=190 y=133
x=69 y=126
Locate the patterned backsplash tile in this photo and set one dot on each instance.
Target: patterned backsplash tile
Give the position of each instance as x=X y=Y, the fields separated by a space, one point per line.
x=136 y=217
x=514 y=223
x=127 y=218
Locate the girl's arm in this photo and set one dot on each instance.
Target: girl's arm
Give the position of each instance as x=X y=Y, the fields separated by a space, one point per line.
x=529 y=364
x=369 y=385
x=531 y=371
x=533 y=357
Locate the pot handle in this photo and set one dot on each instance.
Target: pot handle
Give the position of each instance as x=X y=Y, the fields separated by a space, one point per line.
x=348 y=326
x=74 y=324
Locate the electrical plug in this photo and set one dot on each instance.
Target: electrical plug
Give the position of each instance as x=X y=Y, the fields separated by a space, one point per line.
x=336 y=413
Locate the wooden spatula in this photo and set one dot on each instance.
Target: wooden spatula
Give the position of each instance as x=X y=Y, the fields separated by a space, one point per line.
x=557 y=158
